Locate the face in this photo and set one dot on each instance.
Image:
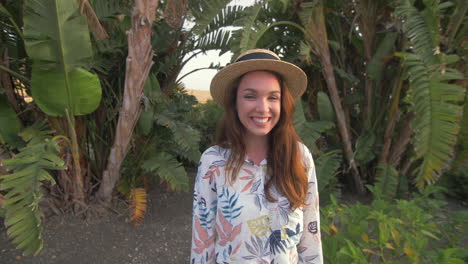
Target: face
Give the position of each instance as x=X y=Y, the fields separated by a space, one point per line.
x=258 y=102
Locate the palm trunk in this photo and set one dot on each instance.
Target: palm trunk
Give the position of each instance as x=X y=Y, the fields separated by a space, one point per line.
x=139 y=62
x=316 y=36
x=340 y=117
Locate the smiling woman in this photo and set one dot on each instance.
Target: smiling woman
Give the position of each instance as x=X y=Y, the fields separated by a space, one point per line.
x=255 y=197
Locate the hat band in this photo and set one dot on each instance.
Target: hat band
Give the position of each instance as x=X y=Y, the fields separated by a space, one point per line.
x=257 y=56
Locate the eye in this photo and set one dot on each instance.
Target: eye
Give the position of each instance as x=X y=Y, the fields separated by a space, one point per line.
x=249 y=96
x=274 y=98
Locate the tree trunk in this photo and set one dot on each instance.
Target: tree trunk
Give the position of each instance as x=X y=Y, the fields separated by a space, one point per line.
x=316 y=36
x=340 y=117
x=368 y=18
x=138 y=65
x=6 y=82
x=402 y=142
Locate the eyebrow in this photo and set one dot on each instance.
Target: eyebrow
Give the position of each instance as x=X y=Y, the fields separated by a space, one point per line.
x=255 y=91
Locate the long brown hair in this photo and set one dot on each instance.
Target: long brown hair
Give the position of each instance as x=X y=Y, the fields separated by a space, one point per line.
x=285 y=164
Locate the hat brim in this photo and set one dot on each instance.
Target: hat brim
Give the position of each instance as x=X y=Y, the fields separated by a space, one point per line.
x=294 y=79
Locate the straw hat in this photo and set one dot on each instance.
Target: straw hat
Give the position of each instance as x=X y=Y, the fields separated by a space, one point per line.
x=257 y=60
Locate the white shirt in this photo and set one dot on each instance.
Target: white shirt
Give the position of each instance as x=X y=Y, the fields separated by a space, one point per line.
x=235 y=223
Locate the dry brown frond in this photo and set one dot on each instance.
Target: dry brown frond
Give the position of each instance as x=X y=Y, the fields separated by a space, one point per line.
x=93 y=22
x=138 y=200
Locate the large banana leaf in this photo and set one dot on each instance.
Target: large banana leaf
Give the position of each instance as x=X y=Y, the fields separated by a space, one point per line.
x=57 y=40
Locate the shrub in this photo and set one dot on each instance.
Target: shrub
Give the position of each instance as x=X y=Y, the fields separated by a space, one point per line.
x=383 y=232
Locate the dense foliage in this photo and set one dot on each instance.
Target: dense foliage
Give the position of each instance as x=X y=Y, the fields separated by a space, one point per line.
x=385 y=110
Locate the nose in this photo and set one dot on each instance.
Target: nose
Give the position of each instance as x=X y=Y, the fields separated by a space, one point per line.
x=262 y=105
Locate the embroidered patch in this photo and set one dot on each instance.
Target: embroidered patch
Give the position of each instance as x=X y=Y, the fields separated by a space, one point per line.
x=312 y=227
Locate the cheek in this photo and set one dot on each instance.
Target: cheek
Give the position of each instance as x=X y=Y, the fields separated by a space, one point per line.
x=277 y=109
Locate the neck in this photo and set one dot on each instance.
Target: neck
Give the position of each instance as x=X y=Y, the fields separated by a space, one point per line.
x=256 y=148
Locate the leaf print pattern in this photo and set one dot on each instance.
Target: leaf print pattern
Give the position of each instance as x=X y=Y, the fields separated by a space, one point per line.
x=278 y=243
x=213 y=170
x=206 y=213
x=235 y=223
x=230 y=208
x=258 y=250
x=226 y=231
x=259 y=198
x=306 y=259
x=249 y=177
x=204 y=241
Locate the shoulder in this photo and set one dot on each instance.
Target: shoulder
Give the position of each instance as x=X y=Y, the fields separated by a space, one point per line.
x=214 y=154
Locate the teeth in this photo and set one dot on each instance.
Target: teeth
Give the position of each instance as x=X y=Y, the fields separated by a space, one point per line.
x=260 y=120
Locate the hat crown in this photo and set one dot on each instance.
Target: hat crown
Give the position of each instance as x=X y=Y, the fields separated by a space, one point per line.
x=258 y=54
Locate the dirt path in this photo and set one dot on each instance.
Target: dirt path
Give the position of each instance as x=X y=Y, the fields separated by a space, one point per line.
x=163 y=237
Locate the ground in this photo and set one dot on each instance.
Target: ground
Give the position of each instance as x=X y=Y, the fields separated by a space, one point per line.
x=163 y=237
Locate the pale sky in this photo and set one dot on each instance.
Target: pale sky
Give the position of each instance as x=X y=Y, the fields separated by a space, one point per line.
x=201 y=80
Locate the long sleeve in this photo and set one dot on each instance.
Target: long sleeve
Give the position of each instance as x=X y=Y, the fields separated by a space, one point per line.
x=310 y=246
x=204 y=212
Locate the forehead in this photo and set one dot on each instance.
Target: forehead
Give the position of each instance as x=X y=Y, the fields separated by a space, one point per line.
x=259 y=81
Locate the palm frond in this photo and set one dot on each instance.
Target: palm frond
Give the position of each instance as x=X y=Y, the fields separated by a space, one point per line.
x=185 y=137
x=251 y=28
x=138 y=200
x=438 y=114
x=93 y=21
x=386 y=182
x=169 y=169
x=218 y=39
x=422 y=31
x=23 y=186
x=326 y=168
x=206 y=13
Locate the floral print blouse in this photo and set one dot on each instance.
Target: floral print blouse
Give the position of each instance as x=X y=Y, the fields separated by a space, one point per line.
x=235 y=223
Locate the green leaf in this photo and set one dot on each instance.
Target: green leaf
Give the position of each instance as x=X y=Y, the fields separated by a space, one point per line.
x=326 y=168
x=54 y=91
x=21 y=205
x=9 y=124
x=386 y=182
x=186 y=138
x=438 y=117
x=252 y=29
x=168 y=168
x=309 y=131
x=376 y=65
x=325 y=108
x=55 y=33
x=422 y=29
x=58 y=42
x=365 y=148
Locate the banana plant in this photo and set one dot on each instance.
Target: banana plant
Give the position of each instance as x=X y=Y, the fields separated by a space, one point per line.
x=57 y=40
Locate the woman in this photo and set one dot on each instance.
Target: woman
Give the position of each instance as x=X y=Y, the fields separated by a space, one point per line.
x=255 y=198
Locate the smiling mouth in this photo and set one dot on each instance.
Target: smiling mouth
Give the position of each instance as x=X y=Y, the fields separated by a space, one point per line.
x=261 y=120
